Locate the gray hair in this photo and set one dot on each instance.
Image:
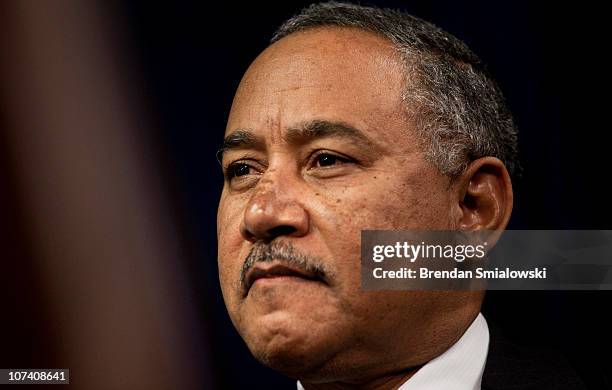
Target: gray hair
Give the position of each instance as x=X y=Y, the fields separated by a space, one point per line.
x=457 y=108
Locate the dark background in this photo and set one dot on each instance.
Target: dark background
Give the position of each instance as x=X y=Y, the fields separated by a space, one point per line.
x=188 y=57
x=550 y=63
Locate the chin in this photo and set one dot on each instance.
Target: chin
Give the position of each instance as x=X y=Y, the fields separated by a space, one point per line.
x=305 y=352
x=293 y=352
x=294 y=362
x=308 y=366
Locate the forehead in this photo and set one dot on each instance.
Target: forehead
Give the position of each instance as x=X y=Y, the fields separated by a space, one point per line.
x=337 y=74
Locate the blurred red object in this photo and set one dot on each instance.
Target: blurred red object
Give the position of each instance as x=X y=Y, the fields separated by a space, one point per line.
x=86 y=222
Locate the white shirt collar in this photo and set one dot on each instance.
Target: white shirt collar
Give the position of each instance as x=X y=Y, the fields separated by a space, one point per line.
x=459 y=368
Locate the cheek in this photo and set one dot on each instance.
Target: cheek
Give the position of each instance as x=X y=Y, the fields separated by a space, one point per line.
x=229 y=217
x=417 y=200
x=380 y=204
x=229 y=244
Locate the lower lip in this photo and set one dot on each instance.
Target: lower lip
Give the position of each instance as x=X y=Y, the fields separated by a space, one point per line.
x=281 y=279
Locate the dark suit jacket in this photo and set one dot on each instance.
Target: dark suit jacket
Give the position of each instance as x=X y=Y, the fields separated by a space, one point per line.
x=510 y=366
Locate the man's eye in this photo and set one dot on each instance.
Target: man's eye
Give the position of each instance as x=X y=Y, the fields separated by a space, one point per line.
x=326 y=160
x=237 y=170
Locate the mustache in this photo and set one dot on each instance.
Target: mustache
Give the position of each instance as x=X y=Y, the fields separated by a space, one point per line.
x=285 y=252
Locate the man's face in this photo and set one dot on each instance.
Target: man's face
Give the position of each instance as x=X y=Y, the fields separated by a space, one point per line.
x=319 y=149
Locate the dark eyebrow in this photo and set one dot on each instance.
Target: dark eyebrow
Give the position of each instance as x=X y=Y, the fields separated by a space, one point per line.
x=310 y=130
x=304 y=132
x=240 y=139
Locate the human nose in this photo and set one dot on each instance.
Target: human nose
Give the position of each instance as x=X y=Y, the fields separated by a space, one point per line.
x=274 y=211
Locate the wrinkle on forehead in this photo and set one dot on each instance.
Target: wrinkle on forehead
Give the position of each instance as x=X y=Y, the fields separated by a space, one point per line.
x=294 y=88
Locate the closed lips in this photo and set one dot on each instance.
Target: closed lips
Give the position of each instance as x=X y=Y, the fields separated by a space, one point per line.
x=260 y=271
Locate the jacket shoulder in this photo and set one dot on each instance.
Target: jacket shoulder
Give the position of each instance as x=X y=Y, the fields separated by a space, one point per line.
x=517 y=367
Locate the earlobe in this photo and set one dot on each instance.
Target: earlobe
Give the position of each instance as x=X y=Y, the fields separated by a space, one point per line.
x=484 y=196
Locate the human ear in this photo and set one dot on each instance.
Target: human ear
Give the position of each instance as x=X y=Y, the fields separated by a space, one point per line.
x=484 y=196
